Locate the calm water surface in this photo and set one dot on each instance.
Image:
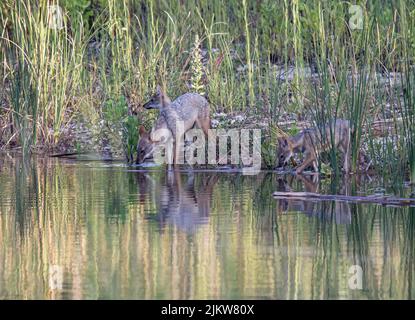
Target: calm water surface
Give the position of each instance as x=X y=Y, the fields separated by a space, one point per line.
x=100 y=230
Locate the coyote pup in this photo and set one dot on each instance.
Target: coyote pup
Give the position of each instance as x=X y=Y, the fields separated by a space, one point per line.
x=310 y=143
x=175 y=119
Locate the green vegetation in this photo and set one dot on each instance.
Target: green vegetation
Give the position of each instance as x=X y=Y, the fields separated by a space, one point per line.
x=285 y=60
x=121 y=126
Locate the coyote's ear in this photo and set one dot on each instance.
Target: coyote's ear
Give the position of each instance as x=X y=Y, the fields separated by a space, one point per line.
x=164 y=99
x=142 y=131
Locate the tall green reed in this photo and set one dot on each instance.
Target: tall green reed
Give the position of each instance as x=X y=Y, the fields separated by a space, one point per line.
x=408 y=87
x=49 y=59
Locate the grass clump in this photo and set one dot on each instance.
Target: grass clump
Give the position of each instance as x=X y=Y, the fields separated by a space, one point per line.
x=122 y=127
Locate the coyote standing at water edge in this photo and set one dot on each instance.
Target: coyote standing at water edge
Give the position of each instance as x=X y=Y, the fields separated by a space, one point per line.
x=177 y=117
x=310 y=142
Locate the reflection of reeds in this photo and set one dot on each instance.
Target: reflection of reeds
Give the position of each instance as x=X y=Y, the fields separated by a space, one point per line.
x=408 y=253
x=111 y=242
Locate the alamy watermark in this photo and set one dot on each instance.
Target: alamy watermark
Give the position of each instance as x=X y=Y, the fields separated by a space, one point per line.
x=55 y=277
x=356 y=17
x=355 y=281
x=245 y=147
x=55 y=17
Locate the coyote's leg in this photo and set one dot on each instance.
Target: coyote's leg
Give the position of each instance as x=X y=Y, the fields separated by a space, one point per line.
x=171 y=147
x=175 y=136
x=170 y=152
x=175 y=153
x=315 y=165
x=310 y=159
x=204 y=124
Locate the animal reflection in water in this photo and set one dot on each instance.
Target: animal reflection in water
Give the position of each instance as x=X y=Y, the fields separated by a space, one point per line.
x=330 y=211
x=183 y=200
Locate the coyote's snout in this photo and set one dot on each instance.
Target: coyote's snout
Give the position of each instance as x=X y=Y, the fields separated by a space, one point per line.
x=145 y=146
x=285 y=151
x=159 y=135
x=174 y=120
x=310 y=142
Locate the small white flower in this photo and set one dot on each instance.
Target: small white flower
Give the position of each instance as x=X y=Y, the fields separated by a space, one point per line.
x=214 y=123
x=239 y=118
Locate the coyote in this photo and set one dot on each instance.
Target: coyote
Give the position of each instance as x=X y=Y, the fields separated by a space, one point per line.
x=160 y=134
x=175 y=119
x=310 y=142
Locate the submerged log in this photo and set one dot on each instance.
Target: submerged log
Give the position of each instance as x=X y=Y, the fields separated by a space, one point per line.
x=65 y=154
x=377 y=199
